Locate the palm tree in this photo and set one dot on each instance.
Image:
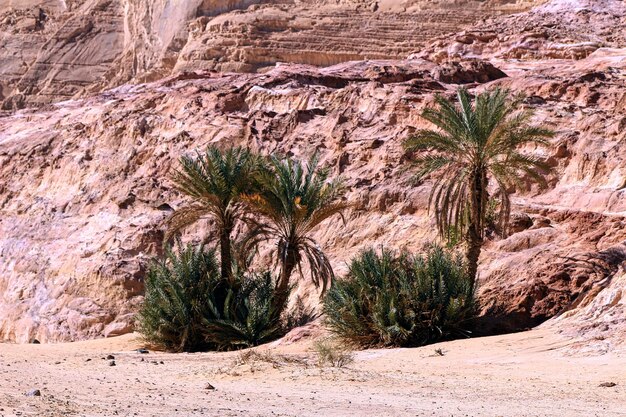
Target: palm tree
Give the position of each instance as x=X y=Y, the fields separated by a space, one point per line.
x=215 y=180
x=474 y=146
x=292 y=199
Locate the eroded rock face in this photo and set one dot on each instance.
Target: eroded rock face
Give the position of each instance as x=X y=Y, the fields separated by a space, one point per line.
x=97 y=172
x=84 y=184
x=54 y=50
x=560 y=29
x=324 y=33
x=597 y=320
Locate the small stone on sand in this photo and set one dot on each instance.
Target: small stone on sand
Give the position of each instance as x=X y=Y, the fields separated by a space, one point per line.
x=33 y=393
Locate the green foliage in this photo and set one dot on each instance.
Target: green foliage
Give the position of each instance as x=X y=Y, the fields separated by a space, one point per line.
x=247 y=319
x=473 y=144
x=292 y=199
x=189 y=307
x=215 y=182
x=194 y=302
x=175 y=305
x=401 y=300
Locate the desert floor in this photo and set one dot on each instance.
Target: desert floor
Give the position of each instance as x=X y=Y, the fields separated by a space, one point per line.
x=523 y=374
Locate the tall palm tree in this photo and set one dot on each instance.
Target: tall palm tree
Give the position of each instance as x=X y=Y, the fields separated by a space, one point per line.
x=475 y=146
x=292 y=199
x=215 y=180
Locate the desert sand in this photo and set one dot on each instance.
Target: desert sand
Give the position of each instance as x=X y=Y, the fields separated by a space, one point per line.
x=523 y=374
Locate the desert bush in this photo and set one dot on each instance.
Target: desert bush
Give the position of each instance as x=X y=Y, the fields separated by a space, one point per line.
x=247 y=317
x=188 y=306
x=277 y=360
x=176 y=291
x=391 y=299
x=331 y=353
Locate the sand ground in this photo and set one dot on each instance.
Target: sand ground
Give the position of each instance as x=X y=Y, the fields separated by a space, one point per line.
x=523 y=374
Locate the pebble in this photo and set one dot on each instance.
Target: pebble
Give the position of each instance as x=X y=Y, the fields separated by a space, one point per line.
x=33 y=393
x=607 y=384
x=109 y=357
x=209 y=387
x=111 y=363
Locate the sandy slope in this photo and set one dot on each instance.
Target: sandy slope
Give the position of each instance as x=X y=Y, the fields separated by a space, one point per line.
x=524 y=374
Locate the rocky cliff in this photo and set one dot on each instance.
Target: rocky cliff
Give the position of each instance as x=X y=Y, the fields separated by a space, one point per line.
x=84 y=183
x=55 y=50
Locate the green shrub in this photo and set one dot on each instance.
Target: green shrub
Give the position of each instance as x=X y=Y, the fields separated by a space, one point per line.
x=401 y=300
x=176 y=293
x=188 y=306
x=247 y=319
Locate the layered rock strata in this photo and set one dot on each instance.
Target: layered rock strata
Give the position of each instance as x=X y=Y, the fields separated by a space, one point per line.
x=53 y=50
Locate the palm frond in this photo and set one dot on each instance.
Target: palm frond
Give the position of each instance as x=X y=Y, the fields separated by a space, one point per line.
x=475 y=139
x=293 y=198
x=182 y=218
x=215 y=182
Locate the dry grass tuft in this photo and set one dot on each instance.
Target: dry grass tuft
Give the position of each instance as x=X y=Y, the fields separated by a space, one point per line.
x=252 y=356
x=331 y=353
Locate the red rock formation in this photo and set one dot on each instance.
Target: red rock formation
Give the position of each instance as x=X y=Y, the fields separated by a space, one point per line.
x=83 y=184
x=54 y=50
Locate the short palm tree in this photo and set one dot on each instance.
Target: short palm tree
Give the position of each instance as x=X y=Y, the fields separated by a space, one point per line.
x=475 y=146
x=215 y=180
x=399 y=299
x=189 y=307
x=292 y=200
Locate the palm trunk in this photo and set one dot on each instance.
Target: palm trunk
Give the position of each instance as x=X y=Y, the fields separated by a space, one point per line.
x=226 y=254
x=282 y=287
x=474 y=245
x=478 y=204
